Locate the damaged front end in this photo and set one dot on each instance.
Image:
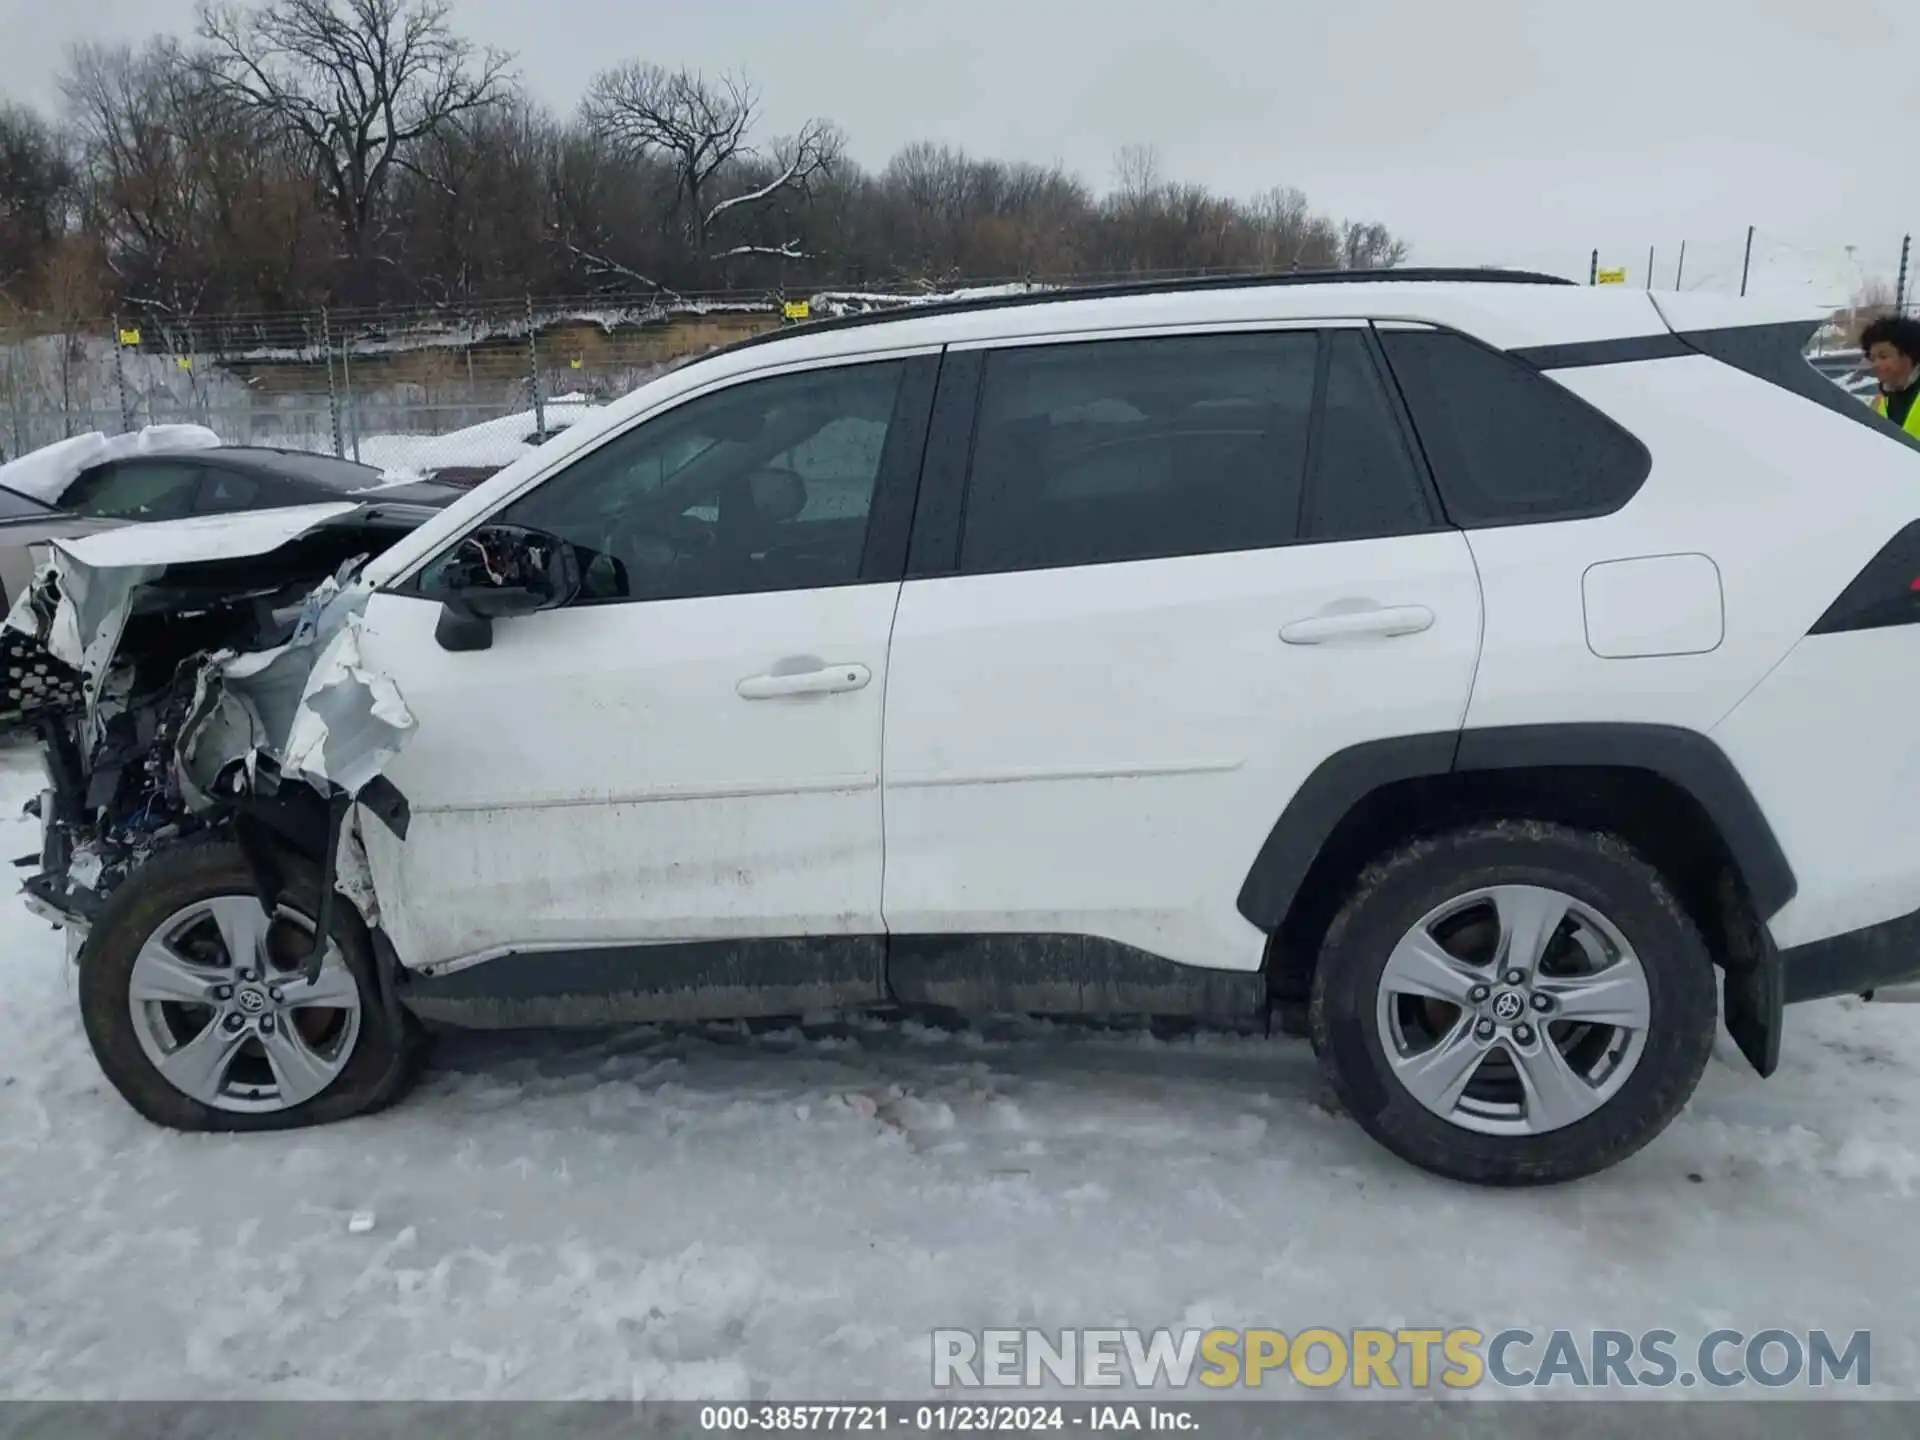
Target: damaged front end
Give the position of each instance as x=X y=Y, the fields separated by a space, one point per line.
x=223 y=688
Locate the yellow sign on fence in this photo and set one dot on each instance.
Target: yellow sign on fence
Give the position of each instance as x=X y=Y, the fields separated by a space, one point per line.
x=129 y=337
x=798 y=309
x=1612 y=277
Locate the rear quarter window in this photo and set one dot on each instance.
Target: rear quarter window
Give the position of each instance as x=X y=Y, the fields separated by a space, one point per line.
x=1791 y=357
x=1505 y=443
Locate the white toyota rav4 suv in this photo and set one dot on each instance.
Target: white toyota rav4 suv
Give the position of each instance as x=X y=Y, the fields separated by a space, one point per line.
x=1488 y=673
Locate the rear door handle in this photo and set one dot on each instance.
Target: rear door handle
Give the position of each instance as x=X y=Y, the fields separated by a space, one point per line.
x=824 y=680
x=1384 y=621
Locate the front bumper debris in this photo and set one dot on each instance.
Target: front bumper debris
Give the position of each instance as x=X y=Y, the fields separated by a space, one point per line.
x=223 y=670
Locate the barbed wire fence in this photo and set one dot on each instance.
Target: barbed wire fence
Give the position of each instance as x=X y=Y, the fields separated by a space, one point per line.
x=421 y=389
x=1850 y=284
x=465 y=389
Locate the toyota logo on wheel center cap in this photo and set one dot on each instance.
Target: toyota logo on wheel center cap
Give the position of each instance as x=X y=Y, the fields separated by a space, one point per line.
x=251 y=1001
x=1508 y=1005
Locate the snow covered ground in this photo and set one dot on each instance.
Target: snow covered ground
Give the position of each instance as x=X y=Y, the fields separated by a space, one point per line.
x=496 y=443
x=713 y=1215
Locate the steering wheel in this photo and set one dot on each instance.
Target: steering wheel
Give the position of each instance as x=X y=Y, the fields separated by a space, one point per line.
x=648 y=546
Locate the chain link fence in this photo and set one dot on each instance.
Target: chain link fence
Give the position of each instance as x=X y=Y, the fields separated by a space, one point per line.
x=460 y=391
x=414 y=392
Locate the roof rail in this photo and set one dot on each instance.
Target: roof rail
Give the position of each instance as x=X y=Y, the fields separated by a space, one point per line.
x=1250 y=280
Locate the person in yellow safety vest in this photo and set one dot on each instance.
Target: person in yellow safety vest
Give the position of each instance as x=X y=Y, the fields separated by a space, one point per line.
x=1892 y=347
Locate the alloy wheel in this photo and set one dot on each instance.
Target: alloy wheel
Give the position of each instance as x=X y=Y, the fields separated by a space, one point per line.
x=222 y=1009
x=1513 y=1010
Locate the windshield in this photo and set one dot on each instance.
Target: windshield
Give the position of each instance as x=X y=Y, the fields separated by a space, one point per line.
x=15 y=506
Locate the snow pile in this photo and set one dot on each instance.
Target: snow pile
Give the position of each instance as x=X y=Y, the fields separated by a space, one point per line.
x=45 y=474
x=718 y=1213
x=860 y=302
x=496 y=443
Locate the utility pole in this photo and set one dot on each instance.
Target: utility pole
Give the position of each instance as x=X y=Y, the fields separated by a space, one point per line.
x=1747 y=263
x=1681 y=268
x=1593 y=269
x=1900 y=286
x=1649 y=267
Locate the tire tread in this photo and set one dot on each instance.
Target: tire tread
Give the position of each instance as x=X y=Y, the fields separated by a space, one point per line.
x=1684 y=993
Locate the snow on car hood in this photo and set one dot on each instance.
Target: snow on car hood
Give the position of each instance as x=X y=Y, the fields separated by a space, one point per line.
x=45 y=474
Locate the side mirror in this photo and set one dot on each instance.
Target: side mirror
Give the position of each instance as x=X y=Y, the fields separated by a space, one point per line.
x=495 y=573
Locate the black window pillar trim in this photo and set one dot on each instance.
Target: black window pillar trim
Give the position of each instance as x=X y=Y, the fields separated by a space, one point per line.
x=1409 y=433
x=1685 y=758
x=1316 y=424
x=934 y=547
x=896 y=484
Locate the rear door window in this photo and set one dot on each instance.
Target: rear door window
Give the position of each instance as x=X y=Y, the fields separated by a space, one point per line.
x=1114 y=450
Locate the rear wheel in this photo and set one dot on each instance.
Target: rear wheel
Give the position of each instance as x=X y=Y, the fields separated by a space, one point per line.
x=198 y=1010
x=1514 y=1003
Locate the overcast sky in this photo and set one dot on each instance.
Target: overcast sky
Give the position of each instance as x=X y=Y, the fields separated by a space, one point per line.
x=1482 y=130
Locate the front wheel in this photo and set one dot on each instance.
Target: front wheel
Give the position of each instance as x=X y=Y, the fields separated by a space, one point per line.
x=194 y=1000
x=1515 y=1003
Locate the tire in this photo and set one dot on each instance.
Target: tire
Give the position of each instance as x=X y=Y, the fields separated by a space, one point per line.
x=371 y=1067
x=1496 y=1132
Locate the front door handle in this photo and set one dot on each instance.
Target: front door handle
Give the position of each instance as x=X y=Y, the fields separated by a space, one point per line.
x=823 y=680
x=1384 y=621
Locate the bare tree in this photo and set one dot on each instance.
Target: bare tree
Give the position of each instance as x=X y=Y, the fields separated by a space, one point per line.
x=71 y=296
x=1136 y=173
x=226 y=177
x=358 y=83
x=1368 y=246
x=36 y=184
x=133 y=112
x=191 y=200
x=701 y=127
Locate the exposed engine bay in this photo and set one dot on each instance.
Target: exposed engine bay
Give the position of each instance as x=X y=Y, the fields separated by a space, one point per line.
x=220 y=686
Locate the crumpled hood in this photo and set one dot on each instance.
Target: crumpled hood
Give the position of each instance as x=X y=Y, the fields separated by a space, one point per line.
x=98 y=574
x=309 y=704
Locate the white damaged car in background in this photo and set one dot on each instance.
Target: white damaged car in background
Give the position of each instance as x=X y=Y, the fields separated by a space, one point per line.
x=225 y=713
x=1437 y=664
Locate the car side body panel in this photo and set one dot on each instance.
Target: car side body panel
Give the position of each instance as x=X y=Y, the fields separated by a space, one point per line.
x=1737 y=494
x=1099 y=751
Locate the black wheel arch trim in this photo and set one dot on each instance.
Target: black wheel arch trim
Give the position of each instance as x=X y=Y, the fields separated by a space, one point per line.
x=1685 y=758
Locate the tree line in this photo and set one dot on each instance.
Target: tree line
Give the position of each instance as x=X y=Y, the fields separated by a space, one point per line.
x=298 y=153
